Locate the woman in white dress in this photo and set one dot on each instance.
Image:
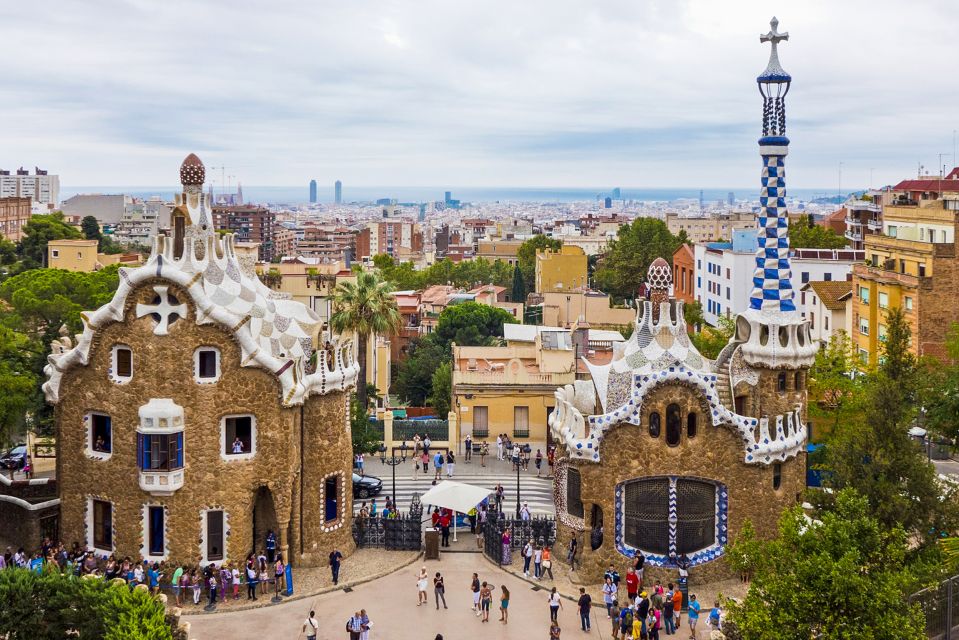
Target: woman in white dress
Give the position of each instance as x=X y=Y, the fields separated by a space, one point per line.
x=367 y=625
x=421 y=582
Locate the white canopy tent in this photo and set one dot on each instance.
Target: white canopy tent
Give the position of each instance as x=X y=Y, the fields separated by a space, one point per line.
x=457 y=496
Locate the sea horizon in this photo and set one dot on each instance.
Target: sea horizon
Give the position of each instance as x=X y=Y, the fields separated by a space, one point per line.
x=299 y=195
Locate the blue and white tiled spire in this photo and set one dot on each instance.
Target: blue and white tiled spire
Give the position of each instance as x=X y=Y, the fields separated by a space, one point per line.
x=772 y=289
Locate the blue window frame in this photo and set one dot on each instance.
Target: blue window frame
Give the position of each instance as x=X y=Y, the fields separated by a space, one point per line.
x=155 y=522
x=160 y=451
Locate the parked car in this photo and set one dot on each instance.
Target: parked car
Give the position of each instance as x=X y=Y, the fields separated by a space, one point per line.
x=15 y=458
x=366 y=486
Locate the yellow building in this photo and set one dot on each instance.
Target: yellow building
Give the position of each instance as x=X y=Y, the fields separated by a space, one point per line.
x=511 y=389
x=565 y=309
x=912 y=265
x=561 y=270
x=72 y=255
x=505 y=250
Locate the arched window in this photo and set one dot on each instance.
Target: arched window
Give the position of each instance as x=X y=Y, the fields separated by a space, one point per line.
x=691 y=425
x=647 y=503
x=674 y=425
x=654 y=424
x=781 y=383
x=777 y=475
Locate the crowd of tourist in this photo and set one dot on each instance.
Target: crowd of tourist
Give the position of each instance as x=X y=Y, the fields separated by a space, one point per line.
x=261 y=574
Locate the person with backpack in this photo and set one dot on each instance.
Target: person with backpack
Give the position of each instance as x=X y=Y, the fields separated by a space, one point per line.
x=311 y=626
x=626 y=621
x=354 y=626
x=250 y=580
x=438 y=464
x=715 y=617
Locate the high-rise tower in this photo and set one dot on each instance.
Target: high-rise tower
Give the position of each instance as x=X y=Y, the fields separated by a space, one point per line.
x=338 y=192
x=312 y=191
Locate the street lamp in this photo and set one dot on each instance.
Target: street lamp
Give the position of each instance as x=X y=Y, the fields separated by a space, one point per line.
x=394 y=460
x=525 y=449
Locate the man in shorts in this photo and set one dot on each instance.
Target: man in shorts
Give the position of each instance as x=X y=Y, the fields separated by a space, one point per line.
x=693 y=616
x=475 y=587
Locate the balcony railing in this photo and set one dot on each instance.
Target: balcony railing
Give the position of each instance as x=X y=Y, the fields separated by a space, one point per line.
x=853 y=235
x=161 y=483
x=875 y=225
x=508 y=378
x=853 y=222
x=863 y=205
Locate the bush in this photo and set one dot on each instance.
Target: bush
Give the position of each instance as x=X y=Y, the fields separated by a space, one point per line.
x=54 y=606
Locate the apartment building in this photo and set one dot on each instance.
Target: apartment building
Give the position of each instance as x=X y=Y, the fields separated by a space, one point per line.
x=390 y=237
x=328 y=243
x=712 y=227
x=827 y=306
x=684 y=274
x=250 y=223
x=912 y=265
x=14 y=214
x=564 y=269
x=41 y=187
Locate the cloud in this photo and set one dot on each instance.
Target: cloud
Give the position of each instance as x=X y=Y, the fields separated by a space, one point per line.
x=544 y=92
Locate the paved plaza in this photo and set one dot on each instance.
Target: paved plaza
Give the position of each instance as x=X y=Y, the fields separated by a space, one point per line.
x=390 y=603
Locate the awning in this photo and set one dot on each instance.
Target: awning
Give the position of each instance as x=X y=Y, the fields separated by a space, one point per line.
x=457 y=496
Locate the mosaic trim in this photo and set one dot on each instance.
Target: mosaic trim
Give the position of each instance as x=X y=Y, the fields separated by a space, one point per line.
x=772 y=288
x=559 y=497
x=702 y=556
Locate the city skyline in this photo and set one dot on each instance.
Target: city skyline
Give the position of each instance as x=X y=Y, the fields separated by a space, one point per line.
x=422 y=94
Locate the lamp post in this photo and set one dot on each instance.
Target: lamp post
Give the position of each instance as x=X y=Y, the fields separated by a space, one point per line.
x=525 y=449
x=394 y=460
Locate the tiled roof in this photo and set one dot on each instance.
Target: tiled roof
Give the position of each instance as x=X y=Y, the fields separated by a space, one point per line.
x=832 y=293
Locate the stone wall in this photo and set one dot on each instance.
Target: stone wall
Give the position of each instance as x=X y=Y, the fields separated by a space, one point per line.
x=716 y=453
x=163 y=368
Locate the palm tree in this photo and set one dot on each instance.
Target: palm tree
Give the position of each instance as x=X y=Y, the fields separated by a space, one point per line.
x=366 y=308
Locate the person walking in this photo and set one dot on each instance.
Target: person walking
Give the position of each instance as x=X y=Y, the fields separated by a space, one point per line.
x=555 y=604
x=548 y=561
x=422 y=580
x=571 y=554
x=335 y=558
x=484 y=451
x=438 y=464
x=692 y=615
x=677 y=606
x=584 y=604
x=714 y=622
x=311 y=626
x=524 y=513
x=439 y=590
x=468 y=453
x=450 y=463
x=539 y=462
x=499 y=447
x=365 y=625
x=537 y=561
x=425 y=462
x=504 y=605
x=475 y=590
x=527 y=557
x=614 y=619
x=486 y=599
x=554 y=630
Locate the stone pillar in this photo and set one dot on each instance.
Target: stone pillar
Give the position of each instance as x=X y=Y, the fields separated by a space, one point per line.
x=388 y=429
x=453 y=429
x=283 y=543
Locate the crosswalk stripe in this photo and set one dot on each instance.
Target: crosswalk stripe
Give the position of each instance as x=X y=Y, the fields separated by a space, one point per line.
x=536 y=492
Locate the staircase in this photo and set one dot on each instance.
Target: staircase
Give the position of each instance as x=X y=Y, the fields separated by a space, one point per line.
x=723 y=389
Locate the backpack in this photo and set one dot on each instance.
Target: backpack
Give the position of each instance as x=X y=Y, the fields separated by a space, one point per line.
x=714 y=617
x=627 y=619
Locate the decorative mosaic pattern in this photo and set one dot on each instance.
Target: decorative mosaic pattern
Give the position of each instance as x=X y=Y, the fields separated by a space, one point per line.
x=772 y=288
x=657 y=560
x=559 y=497
x=740 y=371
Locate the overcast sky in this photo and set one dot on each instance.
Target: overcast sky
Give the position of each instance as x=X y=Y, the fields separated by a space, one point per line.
x=633 y=93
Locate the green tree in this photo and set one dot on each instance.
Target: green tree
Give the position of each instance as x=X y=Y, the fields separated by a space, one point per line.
x=471 y=324
x=519 y=286
x=871 y=451
x=19 y=356
x=366 y=439
x=806 y=234
x=841 y=577
x=693 y=315
x=40 y=230
x=628 y=256
x=442 y=391
x=526 y=256
x=366 y=308
x=834 y=383
x=709 y=341
x=414 y=378
x=8 y=252
x=51 y=606
x=91 y=228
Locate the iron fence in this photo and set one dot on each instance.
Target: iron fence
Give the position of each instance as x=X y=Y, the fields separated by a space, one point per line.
x=540 y=529
x=402 y=533
x=940 y=606
x=437 y=430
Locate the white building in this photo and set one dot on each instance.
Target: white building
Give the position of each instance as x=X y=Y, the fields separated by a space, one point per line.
x=41 y=187
x=827 y=306
x=724 y=272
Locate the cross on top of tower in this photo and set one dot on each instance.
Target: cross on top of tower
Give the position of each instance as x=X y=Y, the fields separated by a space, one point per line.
x=774 y=70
